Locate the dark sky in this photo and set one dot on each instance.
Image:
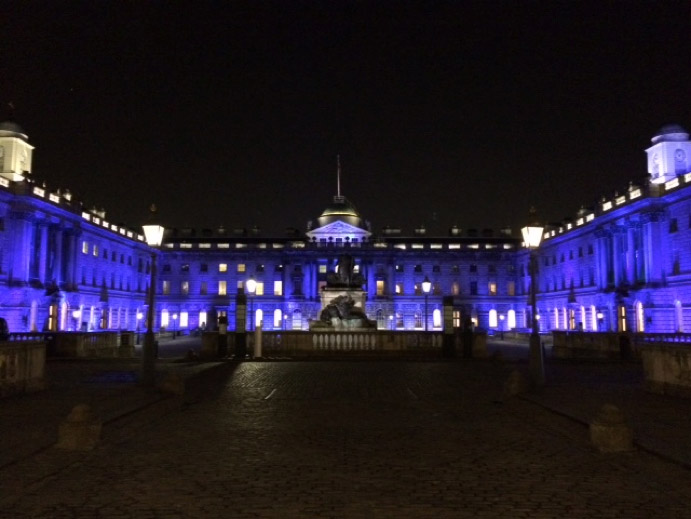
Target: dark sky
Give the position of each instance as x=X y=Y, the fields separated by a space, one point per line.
x=443 y=112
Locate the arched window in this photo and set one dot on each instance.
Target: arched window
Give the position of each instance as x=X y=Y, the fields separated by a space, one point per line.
x=436 y=318
x=278 y=319
x=202 y=319
x=511 y=319
x=418 y=320
x=640 y=317
x=165 y=319
x=492 y=318
x=297 y=320
x=258 y=317
x=381 y=320
x=679 y=317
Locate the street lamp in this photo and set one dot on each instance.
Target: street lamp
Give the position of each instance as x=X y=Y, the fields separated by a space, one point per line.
x=175 y=325
x=426 y=287
x=532 y=236
x=251 y=289
x=153 y=234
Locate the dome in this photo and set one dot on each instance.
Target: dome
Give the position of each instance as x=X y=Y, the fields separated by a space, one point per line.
x=12 y=129
x=670 y=132
x=341 y=206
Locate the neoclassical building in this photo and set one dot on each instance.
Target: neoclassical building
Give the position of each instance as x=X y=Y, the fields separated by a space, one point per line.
x=624 y=264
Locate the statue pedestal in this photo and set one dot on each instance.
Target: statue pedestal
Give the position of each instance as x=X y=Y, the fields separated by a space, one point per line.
x=359 y=296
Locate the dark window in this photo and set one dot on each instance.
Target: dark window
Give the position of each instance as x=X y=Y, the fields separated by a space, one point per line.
x=166 y=268
x=562 y=258
x=590 y=249
x=418 y=268
x=673 y=226
x=204 y=267
x=279 y=268
x=455 y=269
x=570 y=254
x=473 y=288
x=113 y=256
x=185 y=267
x=436 y=268
x=140 y=265
x=580 y=252
x=399 y=268
x=491 y=269
x=260 y=268
x=473 y=268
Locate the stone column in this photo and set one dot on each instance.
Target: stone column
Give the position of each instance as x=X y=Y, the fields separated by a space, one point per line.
x=57 y=264
x=43 y=254
x=630 y=255
x=21 y=251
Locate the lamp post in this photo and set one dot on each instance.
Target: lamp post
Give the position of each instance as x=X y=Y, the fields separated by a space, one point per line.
x=139 y=318
x=175 y=325
x=532 y=236
x=426 y=287
x=153 y=234
x=251 y=289
x=501 y=327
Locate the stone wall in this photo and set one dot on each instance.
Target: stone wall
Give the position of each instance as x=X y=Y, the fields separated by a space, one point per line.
x=604 y=345
x=93 y=345
x=376 y=342
x=22 y=367
x=667 y=369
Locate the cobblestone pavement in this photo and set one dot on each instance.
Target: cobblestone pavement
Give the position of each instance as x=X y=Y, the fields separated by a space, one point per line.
x=350 y=440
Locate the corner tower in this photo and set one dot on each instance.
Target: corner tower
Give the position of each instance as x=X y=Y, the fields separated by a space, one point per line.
x=669 y=155
x=15 y=152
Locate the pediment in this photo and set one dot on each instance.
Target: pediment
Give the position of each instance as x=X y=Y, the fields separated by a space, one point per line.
x=339 y=229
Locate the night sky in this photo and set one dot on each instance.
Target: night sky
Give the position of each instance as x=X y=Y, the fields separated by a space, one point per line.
x=443 y=113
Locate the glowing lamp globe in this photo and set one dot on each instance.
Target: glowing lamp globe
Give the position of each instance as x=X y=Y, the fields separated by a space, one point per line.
x=426 y=285
x=251 y=285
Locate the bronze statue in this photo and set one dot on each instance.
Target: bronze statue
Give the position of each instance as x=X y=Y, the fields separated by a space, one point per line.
x=346 y=277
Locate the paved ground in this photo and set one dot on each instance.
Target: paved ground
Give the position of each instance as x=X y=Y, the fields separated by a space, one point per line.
x=358 y=439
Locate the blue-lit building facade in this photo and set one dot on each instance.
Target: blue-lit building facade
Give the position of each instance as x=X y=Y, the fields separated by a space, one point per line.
x=624 y=264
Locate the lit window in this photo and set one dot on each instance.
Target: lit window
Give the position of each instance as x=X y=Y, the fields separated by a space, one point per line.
x=241 y=267
x=492 y=288
x=381 y=286
x=222 y=288
x=278 y=319
x=166 y=287
x=260 y=288
x=455 y=288
x=164 y=319
x=456 y=318
x=322 y=269
x=185 y=287
x=202 y=319
x=399 y=288
x=96 y=250
x=85 y=247
x=222 y=267
x=492 y=318
x=511 y=288
x=184 y=319
x=278 y=288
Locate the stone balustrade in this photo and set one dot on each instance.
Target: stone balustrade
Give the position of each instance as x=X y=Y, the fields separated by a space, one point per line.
x=22 y=367
x=375 y=342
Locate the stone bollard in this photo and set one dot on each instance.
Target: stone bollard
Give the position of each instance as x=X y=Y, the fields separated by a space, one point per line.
x=609 y=431
x=515 y=384
x=80 y=431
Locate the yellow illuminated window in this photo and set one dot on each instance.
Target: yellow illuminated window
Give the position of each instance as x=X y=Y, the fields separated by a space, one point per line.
x=221 y=288
x=222 y=267
x=185 y=287
x=399 y=288
x=278 y=288
x=492 y=289
x=96 y=250
x=322 y=269
x=241 y=267
x=260 y=288
x=85 y=247
x=511 y=288
x=381 y=286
